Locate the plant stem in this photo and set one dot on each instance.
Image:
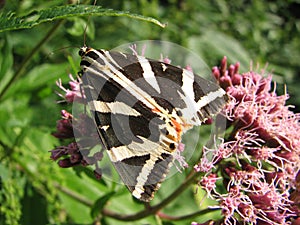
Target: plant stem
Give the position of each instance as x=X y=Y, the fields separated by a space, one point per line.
x=154 y=209
x=74 y=195
x=184 y=217
x=24 y=64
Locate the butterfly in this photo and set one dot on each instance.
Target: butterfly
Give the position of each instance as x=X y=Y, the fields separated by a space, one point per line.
x=141 y=108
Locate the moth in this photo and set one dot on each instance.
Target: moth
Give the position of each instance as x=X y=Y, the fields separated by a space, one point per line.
x=141 y=108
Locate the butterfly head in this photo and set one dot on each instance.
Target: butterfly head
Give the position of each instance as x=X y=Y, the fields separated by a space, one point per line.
x=83 y=50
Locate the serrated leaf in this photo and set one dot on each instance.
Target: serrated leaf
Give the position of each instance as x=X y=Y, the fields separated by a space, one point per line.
x=100 y=203
x=9 y=21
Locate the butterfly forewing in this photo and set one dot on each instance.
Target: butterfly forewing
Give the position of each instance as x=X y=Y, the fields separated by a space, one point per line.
x=141 y=108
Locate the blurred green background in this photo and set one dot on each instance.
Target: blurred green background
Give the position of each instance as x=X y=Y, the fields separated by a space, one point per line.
x=33 y=190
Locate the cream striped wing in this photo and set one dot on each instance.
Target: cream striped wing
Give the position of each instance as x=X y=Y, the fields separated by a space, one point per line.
x=141 y=108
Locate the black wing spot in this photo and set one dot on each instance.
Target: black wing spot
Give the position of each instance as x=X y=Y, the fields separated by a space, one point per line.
x=172 y=146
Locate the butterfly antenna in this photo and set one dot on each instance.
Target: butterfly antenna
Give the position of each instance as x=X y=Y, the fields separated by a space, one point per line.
x=86 y=26
x=84 y=32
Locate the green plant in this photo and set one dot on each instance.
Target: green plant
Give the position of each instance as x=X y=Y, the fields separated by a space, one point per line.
x=35 y=52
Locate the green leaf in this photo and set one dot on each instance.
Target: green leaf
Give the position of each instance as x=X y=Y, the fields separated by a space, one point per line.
x=7 y=60
x=100 y=203
x=38 y=77
x=217 y=44
x=9 y=21
x=79 y=170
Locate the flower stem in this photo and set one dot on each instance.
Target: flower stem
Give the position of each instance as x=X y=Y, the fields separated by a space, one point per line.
x=24 y=64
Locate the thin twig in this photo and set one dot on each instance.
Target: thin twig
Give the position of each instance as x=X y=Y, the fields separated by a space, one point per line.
x=154 y=209
x=74 y=195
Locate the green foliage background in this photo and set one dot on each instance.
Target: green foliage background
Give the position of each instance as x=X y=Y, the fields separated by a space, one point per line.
x=41 y=45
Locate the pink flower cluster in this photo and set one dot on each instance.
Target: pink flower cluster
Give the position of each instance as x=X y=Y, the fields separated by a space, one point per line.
x=258 y=160
x=78 y=151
